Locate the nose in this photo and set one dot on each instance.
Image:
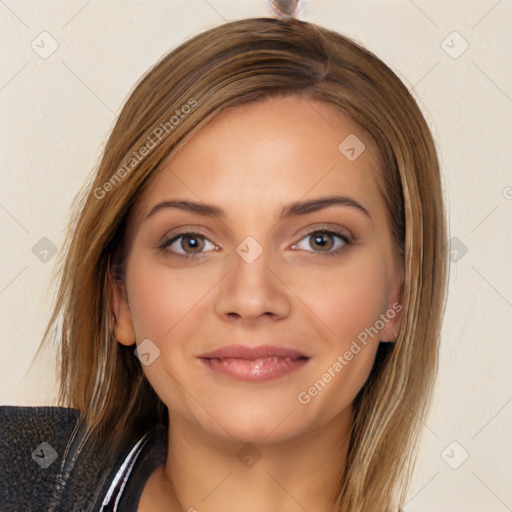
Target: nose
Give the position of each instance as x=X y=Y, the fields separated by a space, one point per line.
x=253 y=289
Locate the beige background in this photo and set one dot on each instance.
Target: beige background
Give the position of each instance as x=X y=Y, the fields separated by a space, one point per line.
x=57 y=111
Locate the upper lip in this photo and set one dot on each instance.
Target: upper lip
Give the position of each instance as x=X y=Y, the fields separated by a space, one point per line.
x=251 y=353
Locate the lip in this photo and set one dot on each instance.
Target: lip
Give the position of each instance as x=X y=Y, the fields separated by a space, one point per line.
x=259 y=351
x=254 y=364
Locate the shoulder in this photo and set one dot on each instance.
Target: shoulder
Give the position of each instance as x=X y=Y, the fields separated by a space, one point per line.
x=48 y=463
x=24 y=427
x=24 y=424
x=35 y=416
x=32 y=441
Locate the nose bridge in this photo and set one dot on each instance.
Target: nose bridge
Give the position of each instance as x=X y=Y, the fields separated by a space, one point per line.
x=251 y=287
x=251 y=263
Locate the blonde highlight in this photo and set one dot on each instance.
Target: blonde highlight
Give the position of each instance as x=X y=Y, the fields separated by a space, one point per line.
x=238 y=62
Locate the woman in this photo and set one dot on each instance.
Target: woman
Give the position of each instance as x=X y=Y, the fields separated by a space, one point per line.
x=251 y=296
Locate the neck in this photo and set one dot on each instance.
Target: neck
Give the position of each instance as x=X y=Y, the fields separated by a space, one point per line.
x=206 y=473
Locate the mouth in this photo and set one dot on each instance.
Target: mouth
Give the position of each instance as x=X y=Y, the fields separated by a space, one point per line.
x=254 y=364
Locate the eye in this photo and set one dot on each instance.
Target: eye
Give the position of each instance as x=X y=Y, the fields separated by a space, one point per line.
x=192 y=245
x=188 y=241
x=325 y=240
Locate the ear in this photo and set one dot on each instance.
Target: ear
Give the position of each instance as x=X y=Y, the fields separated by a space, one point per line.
x=123 y=330
x=393 y=314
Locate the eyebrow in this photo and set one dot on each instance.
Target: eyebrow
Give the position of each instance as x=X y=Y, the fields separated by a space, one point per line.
x=291 y=210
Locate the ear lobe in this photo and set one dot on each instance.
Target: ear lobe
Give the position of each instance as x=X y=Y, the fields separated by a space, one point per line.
x=393 y=314
x=123 y=326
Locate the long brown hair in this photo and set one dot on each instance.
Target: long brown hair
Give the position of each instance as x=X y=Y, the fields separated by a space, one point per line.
x=237 y=62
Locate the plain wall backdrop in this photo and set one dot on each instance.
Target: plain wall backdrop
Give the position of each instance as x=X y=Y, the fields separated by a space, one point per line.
x=67 y=68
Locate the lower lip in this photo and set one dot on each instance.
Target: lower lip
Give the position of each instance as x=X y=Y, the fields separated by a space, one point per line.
x=258 y=370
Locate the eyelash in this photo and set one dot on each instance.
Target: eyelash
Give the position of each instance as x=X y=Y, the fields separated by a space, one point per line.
x=346 y=241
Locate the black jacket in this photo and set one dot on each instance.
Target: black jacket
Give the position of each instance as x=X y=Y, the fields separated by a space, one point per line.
x=46 y=465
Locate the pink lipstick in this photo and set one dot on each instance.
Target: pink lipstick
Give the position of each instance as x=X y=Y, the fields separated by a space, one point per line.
x=254 y=364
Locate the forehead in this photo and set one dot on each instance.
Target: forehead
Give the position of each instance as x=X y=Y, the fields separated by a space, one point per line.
x=260 y=155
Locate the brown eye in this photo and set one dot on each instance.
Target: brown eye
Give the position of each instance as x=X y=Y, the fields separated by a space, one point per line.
x=323 y=241
x=192 y=242
x=186 y=245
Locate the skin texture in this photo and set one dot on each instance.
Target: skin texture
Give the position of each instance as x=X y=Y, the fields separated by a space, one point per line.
x=251 y=160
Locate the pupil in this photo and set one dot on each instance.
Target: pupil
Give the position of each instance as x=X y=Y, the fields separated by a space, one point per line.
x=321 y=240
x=192 y=242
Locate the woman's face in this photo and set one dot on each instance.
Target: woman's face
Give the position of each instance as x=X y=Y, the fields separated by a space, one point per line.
x=315 y=289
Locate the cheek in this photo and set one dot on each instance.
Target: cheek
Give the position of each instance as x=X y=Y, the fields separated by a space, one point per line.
x=346 y=300
x=349 y=307
x=161 y=297
x=162 y=303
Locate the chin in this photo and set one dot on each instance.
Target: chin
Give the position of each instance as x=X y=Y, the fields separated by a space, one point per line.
x=256 y=427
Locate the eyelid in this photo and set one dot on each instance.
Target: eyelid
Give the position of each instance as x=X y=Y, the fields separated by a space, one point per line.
x=334 y=230
x=172 y=237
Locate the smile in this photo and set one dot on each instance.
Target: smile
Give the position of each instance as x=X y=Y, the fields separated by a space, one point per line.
x=258 y=364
